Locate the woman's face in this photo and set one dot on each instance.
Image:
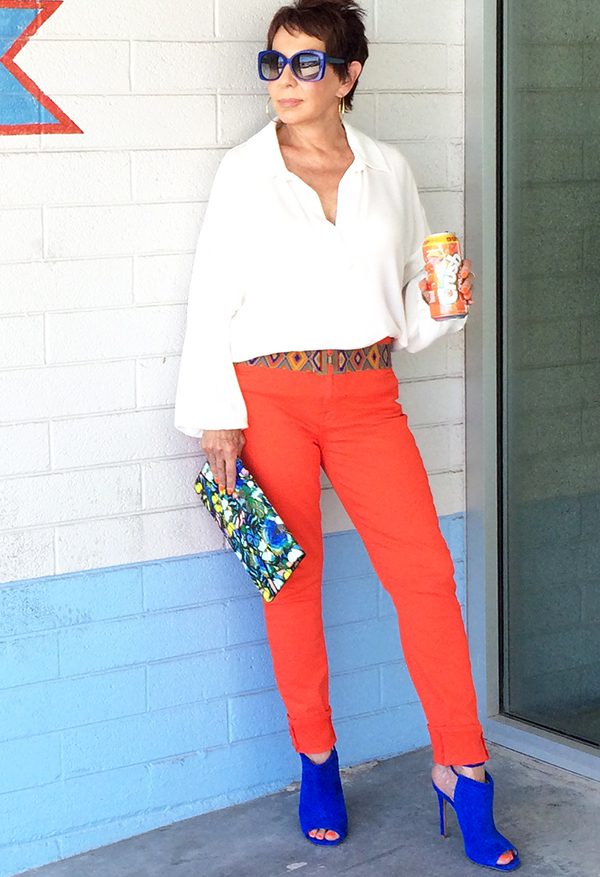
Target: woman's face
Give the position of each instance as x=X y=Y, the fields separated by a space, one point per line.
x=316 y=99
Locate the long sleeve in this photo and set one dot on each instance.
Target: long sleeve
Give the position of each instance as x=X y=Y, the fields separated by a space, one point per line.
x=208 y=394
x=422 y=329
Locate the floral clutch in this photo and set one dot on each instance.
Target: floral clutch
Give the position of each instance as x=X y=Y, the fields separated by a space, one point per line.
x=253 y=528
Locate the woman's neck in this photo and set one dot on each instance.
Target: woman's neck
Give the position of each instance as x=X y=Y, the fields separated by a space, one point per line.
x=314 y=136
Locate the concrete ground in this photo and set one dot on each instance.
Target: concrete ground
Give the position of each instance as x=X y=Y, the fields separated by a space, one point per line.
x=552 y=816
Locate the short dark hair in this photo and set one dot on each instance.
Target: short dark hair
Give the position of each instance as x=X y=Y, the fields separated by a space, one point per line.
x=337 y=23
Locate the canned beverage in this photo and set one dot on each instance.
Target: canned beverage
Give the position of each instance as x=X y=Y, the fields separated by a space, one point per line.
x=443 y=259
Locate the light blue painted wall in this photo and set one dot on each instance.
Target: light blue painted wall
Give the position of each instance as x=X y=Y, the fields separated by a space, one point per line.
x=135 y=696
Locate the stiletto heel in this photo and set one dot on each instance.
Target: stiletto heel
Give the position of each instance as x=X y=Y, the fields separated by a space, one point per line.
x=474 y=804
x=442 y=804
x=322 y=802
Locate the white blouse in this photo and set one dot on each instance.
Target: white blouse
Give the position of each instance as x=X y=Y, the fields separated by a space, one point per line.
x=271 y=273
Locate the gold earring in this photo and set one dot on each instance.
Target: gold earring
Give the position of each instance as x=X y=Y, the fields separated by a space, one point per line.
x=276 y=119
x=342 y=106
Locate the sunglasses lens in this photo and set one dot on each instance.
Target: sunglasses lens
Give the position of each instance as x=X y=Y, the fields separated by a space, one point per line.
x=307 y=65
x=271 y=65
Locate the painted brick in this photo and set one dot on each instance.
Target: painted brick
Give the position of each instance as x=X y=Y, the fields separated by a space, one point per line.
x=26 y=552
x=210 y=675
x=147 y=536
x=408 y=116
x=74 y=177
x=428 y=162
x=382 y=734
x=444 y=210
x=348 y=600
x=29 y=763
x=138 y=739
x=59 y=807
x=424 y=67
x=364 y=114
x=431 y=362
x=62 y=601
x=156 y=379
x=91 y=66
x=432 y=401
x=252 y=22
x=353 y=694
x=381 y=634
x=245 y=764
x=396 y=685
x=66 y=703
x=24 y=449
x=105 y=645
x=127 y=332
x=181 y=19
x=333 y=514
x=28 y=659
x=345 y=556
x=254 y=715
x=195 y=580
x=22 y=341
x=442 y=447
x=50 y=286
x=115 y=438
x=456 y=354
x=170 y=482
x=174 y=174
x=440 y=21
x=59 y=391
x=456 y=68
x=23 y=856
x=51 y=498
x=456 y=164
x=170 y=68
x=245 y=620
x=138 y=122
x=21 y=235
x=120 y=230
x=238 y=117
x=162 y=278
x=448 y=489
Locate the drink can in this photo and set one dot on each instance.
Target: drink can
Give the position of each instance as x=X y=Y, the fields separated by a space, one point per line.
x=443 y=259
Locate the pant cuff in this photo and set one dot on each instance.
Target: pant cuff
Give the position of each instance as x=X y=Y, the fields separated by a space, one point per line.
x=314 y=734
x=458 y=745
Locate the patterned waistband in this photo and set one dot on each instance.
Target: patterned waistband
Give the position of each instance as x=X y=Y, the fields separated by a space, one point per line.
x=374 y=356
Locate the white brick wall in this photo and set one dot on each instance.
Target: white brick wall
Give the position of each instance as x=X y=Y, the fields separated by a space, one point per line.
x=97 y=233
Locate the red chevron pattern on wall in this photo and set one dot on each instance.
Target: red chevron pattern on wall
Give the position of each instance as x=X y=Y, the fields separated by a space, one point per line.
x=21 y=100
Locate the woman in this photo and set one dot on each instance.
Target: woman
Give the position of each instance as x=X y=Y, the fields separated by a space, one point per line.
x=308 y=271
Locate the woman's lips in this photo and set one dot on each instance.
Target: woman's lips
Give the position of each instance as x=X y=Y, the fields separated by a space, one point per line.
x=290 y=103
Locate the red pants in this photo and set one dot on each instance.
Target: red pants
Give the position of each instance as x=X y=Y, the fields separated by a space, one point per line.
x=352 y=426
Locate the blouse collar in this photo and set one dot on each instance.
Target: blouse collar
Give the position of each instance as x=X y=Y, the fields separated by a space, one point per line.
x=366 y=151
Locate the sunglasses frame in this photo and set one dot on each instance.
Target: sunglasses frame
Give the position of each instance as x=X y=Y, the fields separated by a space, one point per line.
x=323 y=57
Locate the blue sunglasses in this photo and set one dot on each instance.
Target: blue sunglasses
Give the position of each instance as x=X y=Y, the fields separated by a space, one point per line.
x=308 y=66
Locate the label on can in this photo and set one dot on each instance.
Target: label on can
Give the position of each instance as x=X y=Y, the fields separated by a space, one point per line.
x=443 y=259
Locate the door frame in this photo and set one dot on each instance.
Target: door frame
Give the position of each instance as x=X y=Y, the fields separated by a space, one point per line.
x=483 y=73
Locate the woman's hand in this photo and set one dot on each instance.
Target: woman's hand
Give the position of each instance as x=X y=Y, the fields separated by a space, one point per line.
x=465 y=284
x=222 y=448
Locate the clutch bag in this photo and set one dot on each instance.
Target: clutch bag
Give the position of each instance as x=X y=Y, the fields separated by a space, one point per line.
x=252 y=528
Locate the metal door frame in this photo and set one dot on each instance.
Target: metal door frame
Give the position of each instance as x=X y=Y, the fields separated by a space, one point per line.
x=483 y=227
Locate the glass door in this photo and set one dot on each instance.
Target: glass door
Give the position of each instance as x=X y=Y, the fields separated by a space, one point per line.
x=550 y=365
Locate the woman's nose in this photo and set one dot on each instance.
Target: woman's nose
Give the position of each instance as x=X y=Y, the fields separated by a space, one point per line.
x=287 y=77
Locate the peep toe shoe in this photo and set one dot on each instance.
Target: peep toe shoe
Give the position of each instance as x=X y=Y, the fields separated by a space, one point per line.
x=322 y=802
x=473 y=804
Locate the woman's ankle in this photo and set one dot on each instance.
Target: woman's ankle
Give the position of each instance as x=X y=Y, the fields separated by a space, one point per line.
x=318 y=757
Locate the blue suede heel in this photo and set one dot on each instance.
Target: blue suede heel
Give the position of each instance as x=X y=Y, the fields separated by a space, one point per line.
x=322 y=802
x=473 y=803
